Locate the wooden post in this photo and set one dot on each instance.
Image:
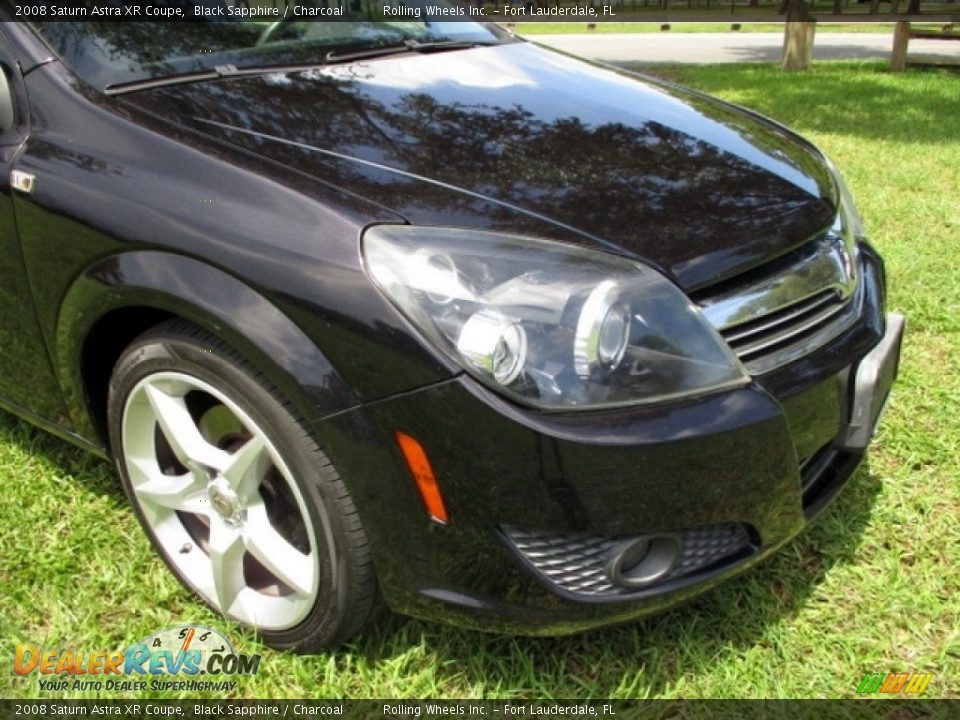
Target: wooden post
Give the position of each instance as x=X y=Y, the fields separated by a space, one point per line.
x=901 y=39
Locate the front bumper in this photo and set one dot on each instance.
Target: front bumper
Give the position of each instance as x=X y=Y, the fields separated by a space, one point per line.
x=538 y=501
x=871 y=383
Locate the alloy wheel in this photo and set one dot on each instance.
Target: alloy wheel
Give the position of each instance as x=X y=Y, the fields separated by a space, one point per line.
x=220 y=501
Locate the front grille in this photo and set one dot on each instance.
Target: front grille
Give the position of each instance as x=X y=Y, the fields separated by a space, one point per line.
x=778 y=313
x=784 y=326
x=576 y=562
x=777 y=340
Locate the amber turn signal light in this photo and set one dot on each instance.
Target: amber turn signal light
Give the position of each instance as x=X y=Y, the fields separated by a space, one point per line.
x=422 y=472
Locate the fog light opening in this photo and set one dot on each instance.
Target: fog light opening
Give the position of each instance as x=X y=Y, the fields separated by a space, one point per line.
x=643 y=561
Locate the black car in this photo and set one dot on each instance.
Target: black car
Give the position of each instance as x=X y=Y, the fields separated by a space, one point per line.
x=426 y=315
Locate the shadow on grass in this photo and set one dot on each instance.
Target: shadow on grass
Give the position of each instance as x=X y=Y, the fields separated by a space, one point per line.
x=61 y=457
x=863 y=100
x=647 y=658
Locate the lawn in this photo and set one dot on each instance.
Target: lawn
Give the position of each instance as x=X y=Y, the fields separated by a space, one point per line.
x=572 y=28
x=871 y=587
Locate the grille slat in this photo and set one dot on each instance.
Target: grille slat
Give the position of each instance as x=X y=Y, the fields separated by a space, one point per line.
x=782 y=317
x=797 y=304
x=784 y=332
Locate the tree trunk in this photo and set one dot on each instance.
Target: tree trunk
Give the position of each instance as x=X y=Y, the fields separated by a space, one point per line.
x=798 y=36
x=901 y=39
x=914 y=7
x=798 y=11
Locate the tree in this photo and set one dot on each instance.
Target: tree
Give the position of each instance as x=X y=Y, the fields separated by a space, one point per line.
x=798 y=36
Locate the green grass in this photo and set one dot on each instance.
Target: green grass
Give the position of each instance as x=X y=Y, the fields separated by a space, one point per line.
x=571 y=28
x=720 y=13
x=871 y=587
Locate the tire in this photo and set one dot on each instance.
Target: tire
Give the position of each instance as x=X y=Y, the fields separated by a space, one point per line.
x=236 y=496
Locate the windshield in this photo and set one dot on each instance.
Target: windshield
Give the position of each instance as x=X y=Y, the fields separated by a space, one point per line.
x=114 y=53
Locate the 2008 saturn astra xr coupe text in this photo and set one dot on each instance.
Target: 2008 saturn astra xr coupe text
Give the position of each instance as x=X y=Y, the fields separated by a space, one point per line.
x=426 y=315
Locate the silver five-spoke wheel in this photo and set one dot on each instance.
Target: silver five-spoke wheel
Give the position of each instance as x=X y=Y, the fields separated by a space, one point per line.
x=220 y=500
x=234 y=490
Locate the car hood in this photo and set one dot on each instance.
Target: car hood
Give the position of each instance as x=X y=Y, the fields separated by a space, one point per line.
x=520 y=138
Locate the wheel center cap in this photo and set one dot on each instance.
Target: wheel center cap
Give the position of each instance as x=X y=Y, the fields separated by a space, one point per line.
x=225 y=501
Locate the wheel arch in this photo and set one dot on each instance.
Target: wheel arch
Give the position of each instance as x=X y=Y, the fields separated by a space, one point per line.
x=121 y=296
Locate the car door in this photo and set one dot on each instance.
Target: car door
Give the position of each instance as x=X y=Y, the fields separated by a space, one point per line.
x=27 y=382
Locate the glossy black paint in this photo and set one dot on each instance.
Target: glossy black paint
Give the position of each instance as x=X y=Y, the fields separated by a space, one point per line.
x=224 y=213
x=501 y=138
x=729 y=457
x=240 y=204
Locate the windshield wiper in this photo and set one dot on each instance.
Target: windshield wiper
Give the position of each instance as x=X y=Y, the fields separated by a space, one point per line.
x=133 y=85
x=229 y=71
x=216 y=73
x=409 y=45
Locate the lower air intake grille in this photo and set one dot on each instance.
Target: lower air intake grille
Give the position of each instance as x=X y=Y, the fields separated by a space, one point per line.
x=577 y=562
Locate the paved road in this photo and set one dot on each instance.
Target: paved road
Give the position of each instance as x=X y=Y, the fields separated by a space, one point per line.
x=736 y=47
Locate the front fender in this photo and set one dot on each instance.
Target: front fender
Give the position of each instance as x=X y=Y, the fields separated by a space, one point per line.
x=213 y=300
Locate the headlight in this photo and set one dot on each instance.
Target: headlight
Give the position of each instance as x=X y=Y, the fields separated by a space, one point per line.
x=848 y=218
x=546 y=324
x=847 y=227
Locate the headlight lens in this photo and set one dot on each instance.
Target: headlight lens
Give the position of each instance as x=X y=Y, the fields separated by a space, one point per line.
x=848 y=218
x=847 y=227
x=547 y=324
